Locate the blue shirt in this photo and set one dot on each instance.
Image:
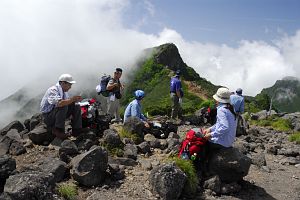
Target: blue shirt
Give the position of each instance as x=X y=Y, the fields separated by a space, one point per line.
x=175 y=85
x=134 y=109
x=51 y=98
x=224 y=130
x=238 y=103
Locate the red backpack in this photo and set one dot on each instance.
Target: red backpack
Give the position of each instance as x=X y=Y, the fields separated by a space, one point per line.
x=192 y=145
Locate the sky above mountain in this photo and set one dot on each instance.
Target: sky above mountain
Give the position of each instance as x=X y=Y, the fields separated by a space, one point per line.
x=247 y=44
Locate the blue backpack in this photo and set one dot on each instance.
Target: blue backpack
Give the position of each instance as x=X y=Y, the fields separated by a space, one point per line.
x=103 y=84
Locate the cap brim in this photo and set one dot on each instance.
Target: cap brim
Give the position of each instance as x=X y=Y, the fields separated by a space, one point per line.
x=72 y=82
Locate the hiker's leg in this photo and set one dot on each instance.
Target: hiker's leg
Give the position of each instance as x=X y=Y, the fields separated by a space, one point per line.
x=49 y=118
x=103 y=103
x=60 y=117
x=175 y=103
x=75 y=111
x=117 y=110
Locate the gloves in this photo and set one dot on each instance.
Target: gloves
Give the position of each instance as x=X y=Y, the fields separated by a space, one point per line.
x=180 y=101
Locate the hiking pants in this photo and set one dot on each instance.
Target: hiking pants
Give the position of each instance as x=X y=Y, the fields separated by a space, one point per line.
x=176 y=107
x=57 y=117
x=113 y=108
x=103 y=103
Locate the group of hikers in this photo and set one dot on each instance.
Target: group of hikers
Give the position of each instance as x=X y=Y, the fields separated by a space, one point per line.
x=57 y=106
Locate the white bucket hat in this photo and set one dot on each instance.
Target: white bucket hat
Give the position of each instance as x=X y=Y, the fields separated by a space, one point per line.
x=222 y=95
x=67 y=78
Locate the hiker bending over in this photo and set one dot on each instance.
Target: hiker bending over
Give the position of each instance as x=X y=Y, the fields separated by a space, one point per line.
x=222 y=133
x=237 y=101
x=176 y=94
x=57 y=106
x=115 y=87
x=134 y=108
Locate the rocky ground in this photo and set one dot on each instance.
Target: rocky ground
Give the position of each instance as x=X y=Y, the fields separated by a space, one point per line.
x=274 y=173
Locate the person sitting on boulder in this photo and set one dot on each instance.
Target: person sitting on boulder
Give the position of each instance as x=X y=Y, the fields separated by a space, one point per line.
x=223 y=132
x=56 y=106
x=134 y=108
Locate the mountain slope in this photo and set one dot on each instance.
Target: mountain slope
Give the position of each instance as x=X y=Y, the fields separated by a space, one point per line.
x=285 y=94
x=153 y=75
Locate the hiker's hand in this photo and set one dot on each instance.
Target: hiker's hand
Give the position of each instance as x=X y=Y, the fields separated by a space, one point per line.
x=207 y=136
x=206 y=131
x=180 y=101
x=76 y=98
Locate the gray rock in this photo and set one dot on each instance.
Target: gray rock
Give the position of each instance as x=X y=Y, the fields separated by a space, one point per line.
x=13 y=125
x=130 y=151
x=89 y=168
x=167 y=181
x=16 y=148
x=230 y=188
x=68 y=147
x=230 y=164
x=5 y=143
x=55 y=167
x=29 y=185
x=40 y=135
x=146 y=164
x=292 y=152
x=144 y=147
x=112 y=138
x=135 y=126
x=213 y=184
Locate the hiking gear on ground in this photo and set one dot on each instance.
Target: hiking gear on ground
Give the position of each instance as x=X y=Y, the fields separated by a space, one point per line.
x=67 y=78
x=101 y=89
x=222 y=95
x=193 y=144
x=139 y=94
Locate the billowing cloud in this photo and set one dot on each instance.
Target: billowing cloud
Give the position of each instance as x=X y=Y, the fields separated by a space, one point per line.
x=39 y=40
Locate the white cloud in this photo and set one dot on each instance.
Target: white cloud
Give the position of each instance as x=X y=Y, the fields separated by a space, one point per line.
x=87 y=38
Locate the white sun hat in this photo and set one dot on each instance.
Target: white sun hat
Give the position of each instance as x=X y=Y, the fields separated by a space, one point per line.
x=222 y=95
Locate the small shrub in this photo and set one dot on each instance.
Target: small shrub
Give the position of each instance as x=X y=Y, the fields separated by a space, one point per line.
x=295 y=137
x=188 y=168
x=67 y=190
x=282 y=124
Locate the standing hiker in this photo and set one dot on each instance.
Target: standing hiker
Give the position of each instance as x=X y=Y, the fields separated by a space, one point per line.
x=176 y=94
x=115 y=87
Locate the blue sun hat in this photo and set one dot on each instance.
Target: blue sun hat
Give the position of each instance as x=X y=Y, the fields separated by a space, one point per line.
x=139 y=94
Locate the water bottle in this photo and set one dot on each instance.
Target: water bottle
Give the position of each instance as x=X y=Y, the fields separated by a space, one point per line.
x=194 y=156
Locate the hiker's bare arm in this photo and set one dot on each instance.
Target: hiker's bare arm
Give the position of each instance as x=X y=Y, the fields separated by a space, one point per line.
x=112 y=86
x=66 y=102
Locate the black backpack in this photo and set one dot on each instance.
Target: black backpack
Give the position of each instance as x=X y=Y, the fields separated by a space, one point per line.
x=103 y=84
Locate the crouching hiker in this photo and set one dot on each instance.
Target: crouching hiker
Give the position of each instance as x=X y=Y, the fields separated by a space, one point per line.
x=57 y=106
x=222 y=134
x=134 y=108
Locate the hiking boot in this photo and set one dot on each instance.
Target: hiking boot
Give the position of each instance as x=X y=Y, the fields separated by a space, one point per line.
x=59 y=133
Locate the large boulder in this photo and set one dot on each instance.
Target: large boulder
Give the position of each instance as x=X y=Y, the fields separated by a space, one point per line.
x=40 y=135
x=89 y=168
x=167 y=181
x=29 y=185
x=230 y=164
x=55 y=167
x=13 y=125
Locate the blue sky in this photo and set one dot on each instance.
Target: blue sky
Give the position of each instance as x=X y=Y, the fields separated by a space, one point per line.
x=216 y=21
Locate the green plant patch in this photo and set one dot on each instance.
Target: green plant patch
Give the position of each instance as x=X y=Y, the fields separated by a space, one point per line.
x=126 y=134
x=295 y=137
x=188 y=168
x=274 y=122
x=67 y=190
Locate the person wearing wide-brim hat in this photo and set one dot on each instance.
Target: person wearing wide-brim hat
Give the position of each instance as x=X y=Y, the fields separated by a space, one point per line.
x=223 y=132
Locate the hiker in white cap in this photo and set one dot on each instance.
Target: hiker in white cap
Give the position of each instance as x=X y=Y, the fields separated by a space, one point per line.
x=57 y=106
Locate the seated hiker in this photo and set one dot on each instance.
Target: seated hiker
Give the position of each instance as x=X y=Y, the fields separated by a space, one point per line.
x=56 y=106
x=134 y=108
x=222 y=134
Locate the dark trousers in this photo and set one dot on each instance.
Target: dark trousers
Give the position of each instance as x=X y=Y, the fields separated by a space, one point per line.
x=176 y=107
x=57 y=117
